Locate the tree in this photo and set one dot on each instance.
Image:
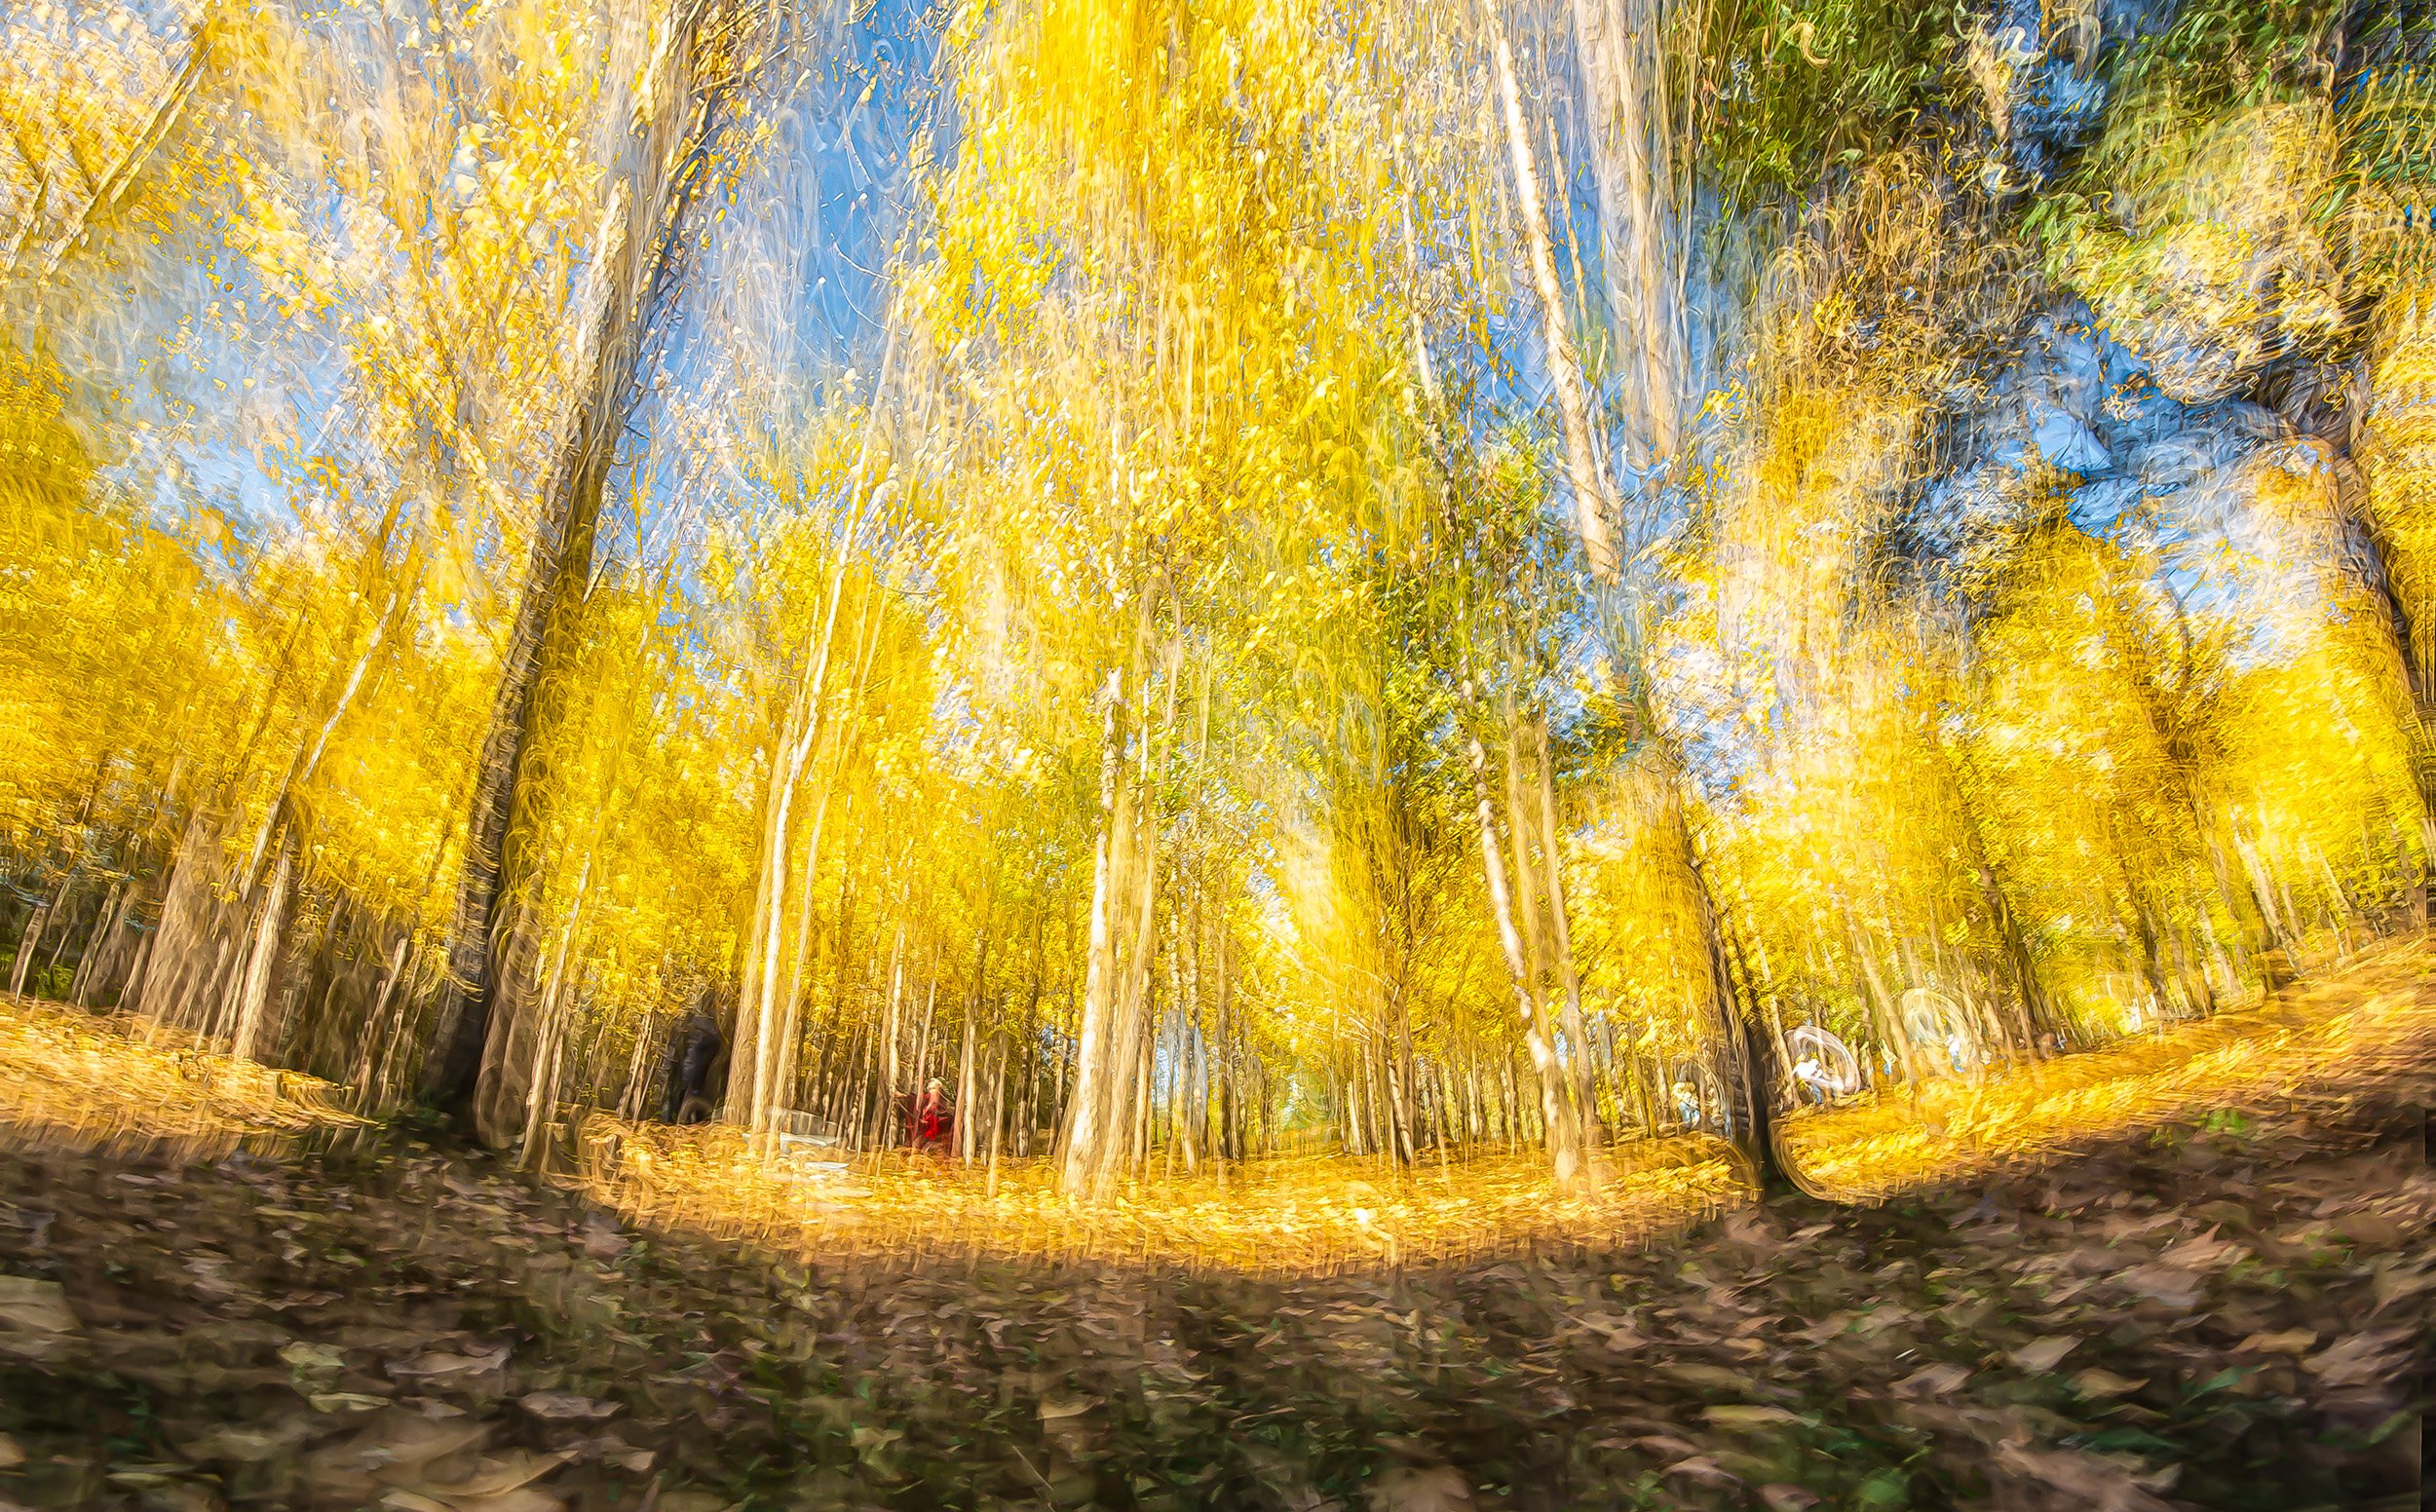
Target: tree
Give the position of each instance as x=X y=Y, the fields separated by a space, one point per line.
x=698 y=63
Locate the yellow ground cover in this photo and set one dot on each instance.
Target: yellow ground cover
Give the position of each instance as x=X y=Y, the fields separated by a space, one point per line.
x=1289 y=1215
x=69 y=1076
x=66 y=1077
x=2370 y=1016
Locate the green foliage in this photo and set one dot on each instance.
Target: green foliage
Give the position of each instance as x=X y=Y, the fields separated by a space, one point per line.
x=1804 y=88
x=2220 y=52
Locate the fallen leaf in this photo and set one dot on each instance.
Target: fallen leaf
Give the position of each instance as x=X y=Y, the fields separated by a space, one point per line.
x=1879 y=1319
x=1826 y=1327
x=344 y=1402
x=2207 y=1252
x=243 y=1444
x=1055 y=1407
x=1781 y=1497
x=1747 y=1228
x=601 y=1240
x=10 y=1456
x=1667 y=1444
x=444 y=1362
x=1932 y=1381
x=524 y=1499
x=304 y=1357
x=2369 y=1230
x=2360 y=1359
x=2095 y=1383
x=2292 y=1340
x=2098 y=1484
x=35 y=1306
x=567 y=1407
x=400 y=1439
x=2176 y=1288
x=1405 y=1490
x=1715 y=1377
x=2042 y=1355
x=1700 y=1467
x=1735 y=1415
x=496 y=1476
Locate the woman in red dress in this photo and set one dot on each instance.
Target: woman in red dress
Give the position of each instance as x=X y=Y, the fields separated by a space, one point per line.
x=931 y=1117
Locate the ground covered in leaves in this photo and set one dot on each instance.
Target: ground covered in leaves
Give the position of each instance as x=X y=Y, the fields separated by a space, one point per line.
x=2224 y=1314
x=1297 y=1216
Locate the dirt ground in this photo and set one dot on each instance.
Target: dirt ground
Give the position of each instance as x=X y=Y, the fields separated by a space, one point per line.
x=2227 y=1311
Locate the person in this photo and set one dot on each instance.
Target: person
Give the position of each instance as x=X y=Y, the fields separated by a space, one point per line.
x=1813 y=1078
x=697 y=1053
x=930 y=1119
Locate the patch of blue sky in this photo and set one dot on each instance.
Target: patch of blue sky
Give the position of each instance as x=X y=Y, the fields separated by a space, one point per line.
x=200 y=411
x=786 y=308
x=2141 y=470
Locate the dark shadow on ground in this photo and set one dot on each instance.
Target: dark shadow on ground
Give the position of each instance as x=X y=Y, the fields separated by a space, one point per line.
x=2229 y=1316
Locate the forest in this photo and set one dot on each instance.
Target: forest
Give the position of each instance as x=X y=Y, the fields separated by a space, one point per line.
x=1217 y=578
x=1266 y=755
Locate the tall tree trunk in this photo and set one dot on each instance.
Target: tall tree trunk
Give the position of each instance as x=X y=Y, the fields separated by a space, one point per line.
x=1086 y=1132
x=482 y=1055
x=998 y=1107
x=2393 y=445
x=28 y=943
x=1564 y=362
x=1586 y=1090
x=918 y=1084
x=1140 y=1111
x=885 y=1063
x=542 y=1095
x=1591 y=513
x=102 y=949
x=2037 y=1017
x=376 y=1023
x=401 y=1024
x=1028 y=1105
x=1893 y=1036
x=262 y=958
x=965 y=1072
x=748 y=1052
x=1190 y=1116
x=1135 y=1008
x=172 y=985
x=767 y=1011
x=1759 y=990
x=1621 y=46
x=1754 y=1065
x=1563 y=1139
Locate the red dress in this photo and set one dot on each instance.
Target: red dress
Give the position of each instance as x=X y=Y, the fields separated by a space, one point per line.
x=931 y=1122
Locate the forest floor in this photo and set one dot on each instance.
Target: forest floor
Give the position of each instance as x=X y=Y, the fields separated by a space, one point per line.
x=2222 y=1306
x=1293 y=1215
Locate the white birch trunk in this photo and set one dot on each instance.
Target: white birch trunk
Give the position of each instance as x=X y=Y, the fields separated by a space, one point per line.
x=256 y=985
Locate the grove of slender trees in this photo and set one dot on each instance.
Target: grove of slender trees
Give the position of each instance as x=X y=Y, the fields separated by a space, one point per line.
x=1411 y=578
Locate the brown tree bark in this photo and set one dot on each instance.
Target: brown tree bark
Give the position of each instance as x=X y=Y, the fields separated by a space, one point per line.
x=481 y=1056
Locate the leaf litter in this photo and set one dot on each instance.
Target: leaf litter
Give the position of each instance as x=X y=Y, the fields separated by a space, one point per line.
x=2189 y=1316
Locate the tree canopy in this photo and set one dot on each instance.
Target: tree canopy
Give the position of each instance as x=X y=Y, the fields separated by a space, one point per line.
x=1216 y=574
